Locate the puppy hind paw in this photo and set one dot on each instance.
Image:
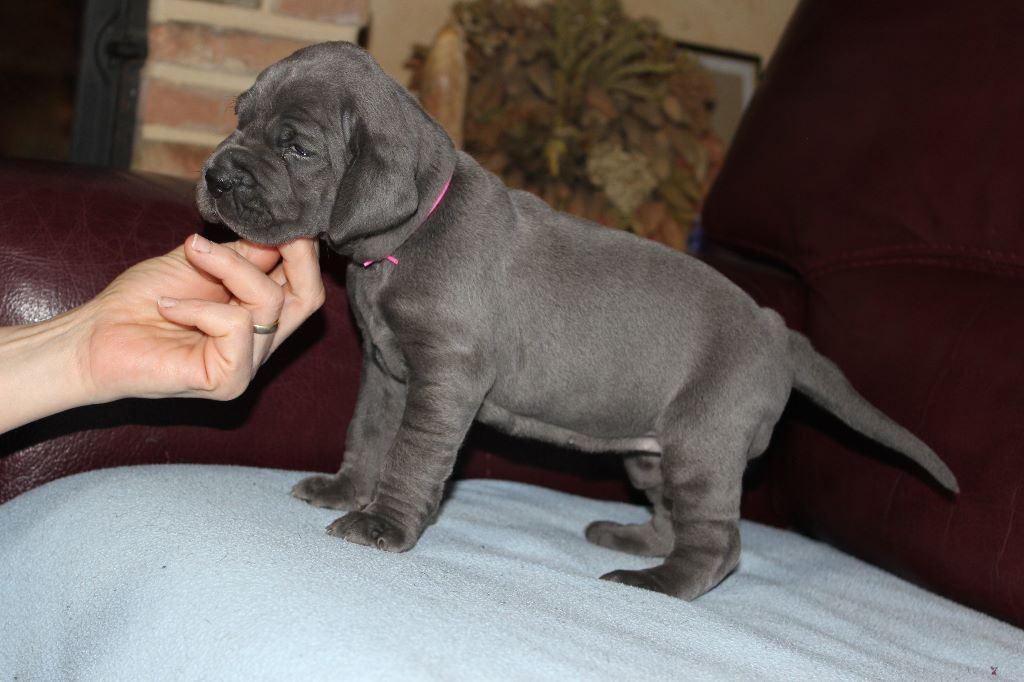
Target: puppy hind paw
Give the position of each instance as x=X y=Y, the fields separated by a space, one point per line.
x=607 y=534
x=663 y=579
x=644 y=579
x=640 y=539
x=372 y=530
x=329 y=492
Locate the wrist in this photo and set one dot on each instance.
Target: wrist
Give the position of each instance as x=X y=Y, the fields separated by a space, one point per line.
x=43 y=368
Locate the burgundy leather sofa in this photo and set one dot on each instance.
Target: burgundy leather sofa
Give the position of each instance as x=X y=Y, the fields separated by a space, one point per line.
x=872 y=196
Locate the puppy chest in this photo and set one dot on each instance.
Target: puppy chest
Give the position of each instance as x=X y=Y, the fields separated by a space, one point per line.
x=390 y=361
x=385 y=351
x=382 y=343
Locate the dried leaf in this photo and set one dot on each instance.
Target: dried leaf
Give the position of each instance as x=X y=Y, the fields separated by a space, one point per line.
x=553 y=152
x=640 y=69
x=635 y=131
x=598 y=98
x=634 y=87
x=540 y=77
x=675 y=111
x=650 y=113
x=625 y=176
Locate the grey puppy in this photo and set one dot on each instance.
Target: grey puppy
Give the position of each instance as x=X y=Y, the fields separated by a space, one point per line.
x=479 y=302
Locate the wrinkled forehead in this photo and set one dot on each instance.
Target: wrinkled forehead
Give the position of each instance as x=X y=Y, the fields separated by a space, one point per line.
x=315 y=81
x=294 y=94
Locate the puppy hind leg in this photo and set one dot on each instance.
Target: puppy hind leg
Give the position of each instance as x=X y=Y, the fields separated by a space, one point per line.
x=702 y=486
x=652 y=538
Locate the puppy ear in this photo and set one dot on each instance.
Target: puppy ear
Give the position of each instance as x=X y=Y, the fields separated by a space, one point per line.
x=399 y=161
x=378 y=190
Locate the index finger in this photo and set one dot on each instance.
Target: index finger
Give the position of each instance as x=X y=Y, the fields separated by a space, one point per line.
x=239 y=276
x=263 y=257
x=301 y=264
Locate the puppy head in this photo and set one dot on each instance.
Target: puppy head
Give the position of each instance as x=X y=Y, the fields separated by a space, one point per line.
x=327 y=145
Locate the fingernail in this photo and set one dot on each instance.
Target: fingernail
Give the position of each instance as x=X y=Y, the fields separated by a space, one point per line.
x=168 y=302
x=200 y=244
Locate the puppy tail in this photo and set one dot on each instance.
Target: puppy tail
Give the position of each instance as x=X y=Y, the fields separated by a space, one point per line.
x=821 y=380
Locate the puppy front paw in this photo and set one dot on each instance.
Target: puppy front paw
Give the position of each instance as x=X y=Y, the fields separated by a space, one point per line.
x=373 y=530
x=329 y=492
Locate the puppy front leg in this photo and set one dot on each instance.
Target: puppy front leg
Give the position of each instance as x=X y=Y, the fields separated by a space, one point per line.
x=439 y=409
x=371 y=434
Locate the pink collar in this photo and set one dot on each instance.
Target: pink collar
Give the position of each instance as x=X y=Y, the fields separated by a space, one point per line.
x=392 y=259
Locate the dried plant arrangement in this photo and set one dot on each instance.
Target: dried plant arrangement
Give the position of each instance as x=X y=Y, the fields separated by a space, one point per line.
x=599 y=113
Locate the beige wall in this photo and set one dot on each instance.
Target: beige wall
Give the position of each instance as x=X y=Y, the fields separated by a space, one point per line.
x=752 y=26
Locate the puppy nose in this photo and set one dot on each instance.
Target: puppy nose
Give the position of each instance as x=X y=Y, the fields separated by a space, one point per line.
x=219 y=181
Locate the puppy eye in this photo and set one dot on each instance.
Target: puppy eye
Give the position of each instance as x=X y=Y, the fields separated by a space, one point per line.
x=287 y=144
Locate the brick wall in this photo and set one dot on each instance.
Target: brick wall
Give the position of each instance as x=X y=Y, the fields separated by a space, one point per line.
x=202 y=53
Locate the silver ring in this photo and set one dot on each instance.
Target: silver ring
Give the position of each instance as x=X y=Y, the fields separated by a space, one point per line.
x=264 y=328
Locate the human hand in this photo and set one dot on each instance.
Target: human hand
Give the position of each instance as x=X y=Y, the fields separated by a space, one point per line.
x=182 y=324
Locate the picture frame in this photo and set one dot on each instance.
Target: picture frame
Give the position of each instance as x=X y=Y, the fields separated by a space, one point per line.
x=735 y=76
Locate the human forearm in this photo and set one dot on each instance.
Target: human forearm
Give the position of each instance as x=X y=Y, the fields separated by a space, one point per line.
x=182 y=324
x=41 y=368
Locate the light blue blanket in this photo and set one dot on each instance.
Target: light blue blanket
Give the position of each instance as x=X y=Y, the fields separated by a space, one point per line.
x=215 y=573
